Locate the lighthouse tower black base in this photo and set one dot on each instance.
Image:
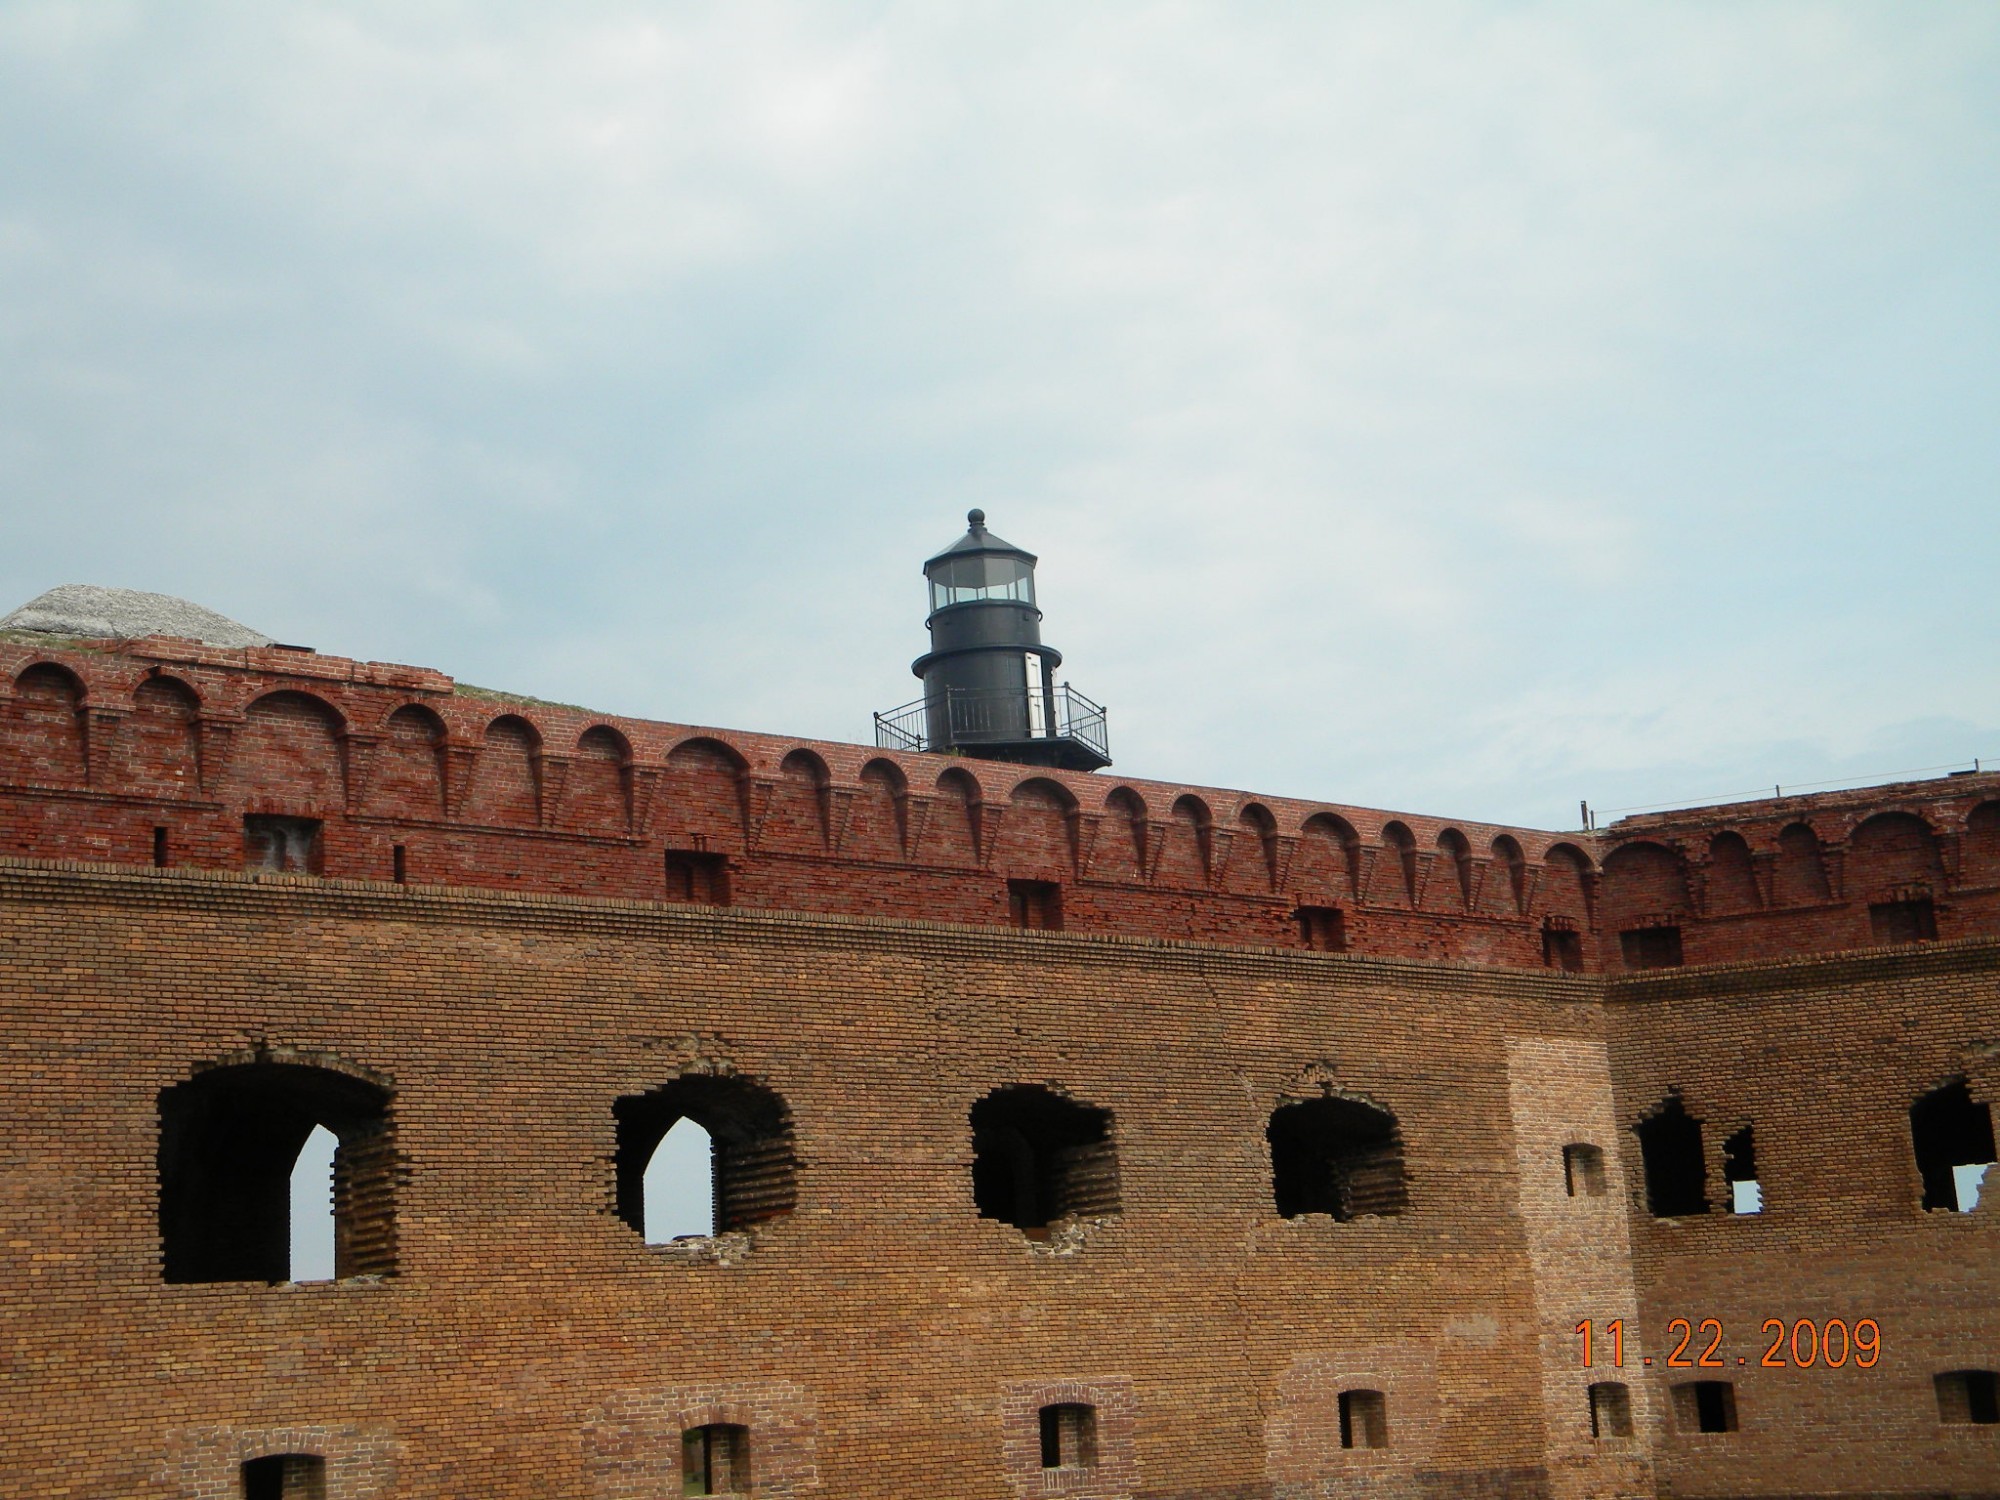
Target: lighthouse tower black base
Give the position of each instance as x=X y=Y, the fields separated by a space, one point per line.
x=989 y=682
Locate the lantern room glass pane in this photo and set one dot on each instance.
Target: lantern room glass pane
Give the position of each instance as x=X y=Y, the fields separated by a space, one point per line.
x=960 y=580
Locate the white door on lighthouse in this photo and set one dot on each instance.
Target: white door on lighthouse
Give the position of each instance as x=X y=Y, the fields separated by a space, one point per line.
x=1038 y=721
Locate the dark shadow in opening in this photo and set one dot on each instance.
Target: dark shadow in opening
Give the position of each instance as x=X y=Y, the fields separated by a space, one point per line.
x=229 y=1138
x=1670 y=1147
x=1038 y=1157
x=1336 y=1156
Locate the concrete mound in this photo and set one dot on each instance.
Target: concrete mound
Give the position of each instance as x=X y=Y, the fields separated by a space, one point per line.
x=84 y=611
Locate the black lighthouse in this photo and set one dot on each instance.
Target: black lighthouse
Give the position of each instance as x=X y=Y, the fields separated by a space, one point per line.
x=989 y=683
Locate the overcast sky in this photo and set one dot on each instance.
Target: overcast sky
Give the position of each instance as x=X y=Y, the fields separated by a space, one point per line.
x=1464 y=409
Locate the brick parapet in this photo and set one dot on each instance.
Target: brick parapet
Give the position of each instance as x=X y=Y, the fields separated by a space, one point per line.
x=468 y=788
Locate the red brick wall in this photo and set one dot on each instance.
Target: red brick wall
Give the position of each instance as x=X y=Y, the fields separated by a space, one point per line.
x=530 y=1345
x=1823 y=1059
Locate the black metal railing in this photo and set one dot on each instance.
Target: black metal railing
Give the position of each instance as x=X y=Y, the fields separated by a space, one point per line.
x=969 y=717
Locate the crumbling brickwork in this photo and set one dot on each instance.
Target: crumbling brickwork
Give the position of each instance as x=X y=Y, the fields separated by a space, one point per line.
x=245 y=887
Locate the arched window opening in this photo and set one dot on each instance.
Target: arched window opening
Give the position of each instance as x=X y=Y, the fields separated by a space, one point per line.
x=1583 y=1170
x=715 y=1460
x=1610 y=1410
x=1705 y=1406
x=752 y=1166
x=1953 y=1136
x=1739 y=1170
x=1670 y=1147
x=1968 y=1397
x=1069 y=1435
x=1338 y=1157
x=284 y=1476
x=1364 y=1420
x=679 y=1185
x=1038 y=1158
x=312 y=1207
x=230 y=1141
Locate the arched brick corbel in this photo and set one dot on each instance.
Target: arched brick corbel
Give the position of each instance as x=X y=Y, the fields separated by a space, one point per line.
x=646 y=779
x=551 y=776
x=1086 y=840
x=101 y=732
x=986 y=830
x=916 y=818
x=1371 y=859
x=1833 y=859
x=1282 y=847
x=1156 y=830
x=756 y=793
x=1950 y=846
x=458 y=761
x=1222 y=846
x=1428 y=866
x=1481 y=871
x=746 y=795
x=1531 y=888
x=357 y=753
x=838 y=802
x=1764 y=870
x=215 y=748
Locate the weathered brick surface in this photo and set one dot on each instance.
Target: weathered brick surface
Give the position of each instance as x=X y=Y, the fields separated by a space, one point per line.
x=1823 y=1058
x=881 y=1338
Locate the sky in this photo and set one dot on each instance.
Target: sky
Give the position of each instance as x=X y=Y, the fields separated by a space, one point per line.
x=1460 y=409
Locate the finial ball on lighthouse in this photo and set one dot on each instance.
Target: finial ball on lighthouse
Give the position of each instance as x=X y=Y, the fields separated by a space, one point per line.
x=975 y=519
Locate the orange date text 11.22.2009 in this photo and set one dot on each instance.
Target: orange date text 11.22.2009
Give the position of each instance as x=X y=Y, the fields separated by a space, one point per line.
x=1803 y=1344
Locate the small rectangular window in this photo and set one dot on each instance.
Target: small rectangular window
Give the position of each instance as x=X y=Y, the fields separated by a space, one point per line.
x=697 y=876
x=715 y=1460
x=1903 y=921
x=160 y=848
x=1651 y=947
x=1583 y=1171
x=284 y=1476
x=1364 y=1420
x=1610 y=1411
x=1322 y=928
x=290 y=845
x=399 y=863
x=1069 y=1436
x=1562 y=948
x=1035 y=904
x=1968 y=1396
x=1705 y=1406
